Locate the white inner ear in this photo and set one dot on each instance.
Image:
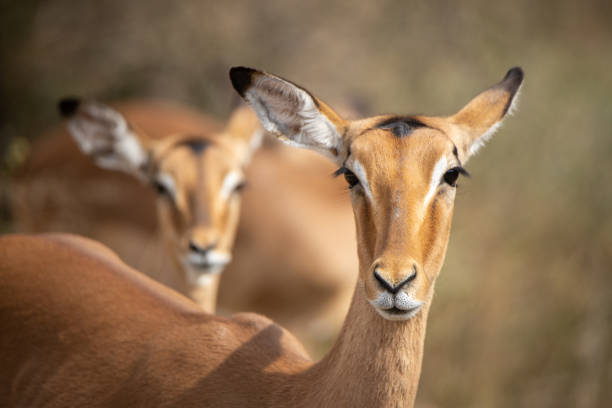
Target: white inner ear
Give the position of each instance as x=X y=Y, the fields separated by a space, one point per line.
x=289 y=111
x=103 y=133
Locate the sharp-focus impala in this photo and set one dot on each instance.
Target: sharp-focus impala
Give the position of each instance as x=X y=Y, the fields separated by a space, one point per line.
x=80 y=328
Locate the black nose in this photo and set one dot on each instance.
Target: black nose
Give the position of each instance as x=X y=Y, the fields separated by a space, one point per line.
x=194 y=247
x=388 y=286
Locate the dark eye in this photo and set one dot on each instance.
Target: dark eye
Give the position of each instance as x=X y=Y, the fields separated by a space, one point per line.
x=451 y=176
x=350 y=178
x=240 y=186
x=160 y=188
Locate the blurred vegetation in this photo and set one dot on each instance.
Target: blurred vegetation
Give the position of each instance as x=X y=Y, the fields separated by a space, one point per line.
x=523 y=311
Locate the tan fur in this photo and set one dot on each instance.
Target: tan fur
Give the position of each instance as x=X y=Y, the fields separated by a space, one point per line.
x=82 y=329
x=299 y=270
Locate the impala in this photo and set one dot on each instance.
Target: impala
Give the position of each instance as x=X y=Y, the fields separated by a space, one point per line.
x=139 y=155
x=197 y=177
x=80 y=328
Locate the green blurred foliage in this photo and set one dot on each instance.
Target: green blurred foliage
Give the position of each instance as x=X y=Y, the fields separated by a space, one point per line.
x=523 y=311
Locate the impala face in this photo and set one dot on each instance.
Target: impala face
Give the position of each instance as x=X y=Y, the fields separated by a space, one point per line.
x=198 y=182
x=402 y=173
x=402 y=176
x=198 y=178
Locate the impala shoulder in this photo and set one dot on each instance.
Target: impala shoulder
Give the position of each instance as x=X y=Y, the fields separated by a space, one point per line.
x=270 y=335
x=48 y=242
x=252 y=321
x=84 y=245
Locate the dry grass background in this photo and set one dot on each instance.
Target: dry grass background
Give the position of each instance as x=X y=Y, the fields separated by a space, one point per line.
x=523 y=311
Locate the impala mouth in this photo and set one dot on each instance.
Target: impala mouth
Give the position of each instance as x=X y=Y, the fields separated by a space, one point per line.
x=395 y=310
x=205 y=265
x=400 y=306
x=399 y=314
x=396 y=313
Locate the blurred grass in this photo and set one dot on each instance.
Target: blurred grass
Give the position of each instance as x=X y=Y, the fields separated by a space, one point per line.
x=523 y=311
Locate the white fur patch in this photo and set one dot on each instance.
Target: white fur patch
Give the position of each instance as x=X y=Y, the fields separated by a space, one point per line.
x=384 y=300
x=166 y=180
x=212 y=258
x=360 y=172
x=230 y=182
x=256 y=140
x=200 y=268
x=401 y=300
x=436 y=176
x=405 y=302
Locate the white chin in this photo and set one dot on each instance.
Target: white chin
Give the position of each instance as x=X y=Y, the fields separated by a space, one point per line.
x=199 y=275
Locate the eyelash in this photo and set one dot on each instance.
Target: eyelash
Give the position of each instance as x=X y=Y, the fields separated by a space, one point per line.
x=451 y=175
x=349 y=176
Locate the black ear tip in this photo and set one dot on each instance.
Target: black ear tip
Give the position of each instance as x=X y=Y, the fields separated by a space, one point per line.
x=241 y=78
x=514 y=77
x=68 y=106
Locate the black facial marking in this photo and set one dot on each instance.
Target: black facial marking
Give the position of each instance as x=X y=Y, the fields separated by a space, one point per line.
x=196 y=145
x=400 y=126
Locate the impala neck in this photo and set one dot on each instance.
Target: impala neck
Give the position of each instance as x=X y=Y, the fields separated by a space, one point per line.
x=374 y=362
x=206 y=295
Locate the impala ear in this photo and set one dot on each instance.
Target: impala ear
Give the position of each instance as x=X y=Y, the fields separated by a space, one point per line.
x=290 y=112
x=104 y=134
x=245 y=128
x=476 y=122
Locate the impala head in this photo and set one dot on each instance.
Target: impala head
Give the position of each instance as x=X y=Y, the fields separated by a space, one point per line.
x=198 y=178
x=402 y=174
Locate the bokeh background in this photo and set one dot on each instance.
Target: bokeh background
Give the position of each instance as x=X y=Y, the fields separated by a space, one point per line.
x=523 y=311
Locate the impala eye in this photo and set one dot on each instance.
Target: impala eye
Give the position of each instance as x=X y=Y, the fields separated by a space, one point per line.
x=240 y=186
x=160 y=188
x=451 y=176
x=164 y=185
x=351 y=178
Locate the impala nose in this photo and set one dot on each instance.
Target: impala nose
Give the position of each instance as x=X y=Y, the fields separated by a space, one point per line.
x=393 y=286
x=200 y=249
